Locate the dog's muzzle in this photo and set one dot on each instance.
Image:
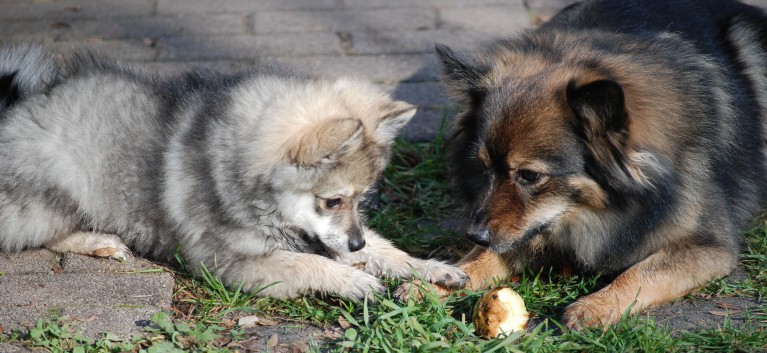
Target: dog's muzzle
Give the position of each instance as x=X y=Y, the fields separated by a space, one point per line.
x=479 y=235
x=356 y=240
x=477 y=231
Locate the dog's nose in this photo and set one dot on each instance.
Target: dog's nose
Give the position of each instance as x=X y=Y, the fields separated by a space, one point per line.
x=356 y=240
x=478 y=232
x=356 y=244
x=479 y=235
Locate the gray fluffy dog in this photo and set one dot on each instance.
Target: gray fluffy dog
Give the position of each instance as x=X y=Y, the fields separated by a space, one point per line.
x=258 y=176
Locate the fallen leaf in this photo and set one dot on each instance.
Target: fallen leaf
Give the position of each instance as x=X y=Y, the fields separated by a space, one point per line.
x=343 y=323
x=725 y=305
x=267 y=322
x=719 y=313
x=60 y=25
x=332 y=333
x=248 y=321
x=272 y=341
x=227 y=323
x=2 y=330
x=299 y=347
x=234 y=344
x=360 y=265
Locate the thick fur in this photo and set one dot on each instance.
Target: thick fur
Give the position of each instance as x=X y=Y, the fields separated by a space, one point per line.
x=258 y=176
x=627 y=136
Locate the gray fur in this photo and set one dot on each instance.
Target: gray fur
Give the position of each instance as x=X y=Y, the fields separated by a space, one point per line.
x=239 y=172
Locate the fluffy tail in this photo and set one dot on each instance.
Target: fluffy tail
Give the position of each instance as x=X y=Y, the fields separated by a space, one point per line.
x=25 y=69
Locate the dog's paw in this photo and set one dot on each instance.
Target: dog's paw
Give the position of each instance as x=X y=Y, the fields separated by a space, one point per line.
x=92 y=244
x=416 y=289
x=442 y=274
x=361 y=285
x=591 y=311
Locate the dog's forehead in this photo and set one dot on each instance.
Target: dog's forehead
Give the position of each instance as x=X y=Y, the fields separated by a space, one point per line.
x=356 y=172
x=525 y=117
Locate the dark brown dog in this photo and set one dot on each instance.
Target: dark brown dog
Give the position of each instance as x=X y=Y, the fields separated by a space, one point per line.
x=628 y=136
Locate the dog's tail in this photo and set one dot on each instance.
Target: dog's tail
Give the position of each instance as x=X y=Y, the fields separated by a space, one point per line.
x=25 y=69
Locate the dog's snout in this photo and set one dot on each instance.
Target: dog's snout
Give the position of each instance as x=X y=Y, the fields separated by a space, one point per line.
x=479 y=235
x=478 y=232
x=356 y=240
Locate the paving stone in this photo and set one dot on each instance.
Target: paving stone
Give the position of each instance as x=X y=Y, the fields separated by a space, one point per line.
x=96 y=301
x=67 y=9
x=415 y=42
x=176 y=67
x=420 y=93
x=152 y=27
x=35 y=30
x=165 y=7
x=379 y=68
x=759 y=3
x=248 y=46
x=422 y=3
x=343 y=20
x=425 y=124
x=499 y=20
x=123 y=49
x=29 y=262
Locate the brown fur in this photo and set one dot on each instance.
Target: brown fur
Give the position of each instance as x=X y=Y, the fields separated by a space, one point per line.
x=630 y=150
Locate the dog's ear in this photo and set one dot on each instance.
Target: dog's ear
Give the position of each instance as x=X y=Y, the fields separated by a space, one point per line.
x=601 y=120
x=462 y=78
x=599 y=107
x=395 y=116
x=326 y=142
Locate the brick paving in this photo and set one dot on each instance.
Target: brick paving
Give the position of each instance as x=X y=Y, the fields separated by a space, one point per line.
x=386 y=41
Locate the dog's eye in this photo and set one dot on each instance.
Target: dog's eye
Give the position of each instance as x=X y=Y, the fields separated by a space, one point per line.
x=529 y=176
x=332 y=203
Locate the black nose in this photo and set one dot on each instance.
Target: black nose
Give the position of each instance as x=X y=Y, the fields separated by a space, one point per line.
x=356 y=240
x=478 y=232
x=479 y=235
x=356 y=244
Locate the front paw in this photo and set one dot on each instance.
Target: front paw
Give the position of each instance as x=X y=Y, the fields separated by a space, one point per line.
x=591 y=311
x=361 y=285
x=416 y=289
x=442 y=274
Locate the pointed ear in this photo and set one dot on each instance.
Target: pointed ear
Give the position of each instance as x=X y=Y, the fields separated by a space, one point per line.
x=325 y=142
x=601 y=121
x=395 y=117
x=462 y=78
x=599 y=108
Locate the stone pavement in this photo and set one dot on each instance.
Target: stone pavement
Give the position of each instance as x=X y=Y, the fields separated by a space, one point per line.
x=387 y=41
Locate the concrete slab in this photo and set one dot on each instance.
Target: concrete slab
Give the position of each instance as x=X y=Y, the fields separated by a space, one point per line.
x=99 y=295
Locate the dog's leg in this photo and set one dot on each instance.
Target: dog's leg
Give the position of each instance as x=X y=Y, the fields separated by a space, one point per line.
x=660 y=278
x=380 y=258
x=92 y=244
x=287 y=274
x=485 y=267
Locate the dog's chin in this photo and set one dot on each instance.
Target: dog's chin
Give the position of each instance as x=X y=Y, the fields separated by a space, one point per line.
x=505 y=245
x=501 y=243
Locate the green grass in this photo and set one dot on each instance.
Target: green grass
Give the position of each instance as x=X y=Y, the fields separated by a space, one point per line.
x=415 y=198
